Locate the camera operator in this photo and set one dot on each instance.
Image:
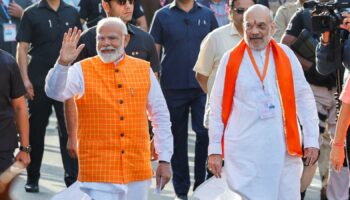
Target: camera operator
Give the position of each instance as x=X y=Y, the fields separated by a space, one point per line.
x=302 y=39
x=333 y=53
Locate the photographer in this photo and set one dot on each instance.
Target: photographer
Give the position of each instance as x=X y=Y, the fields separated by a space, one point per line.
x=302 y=39
x=332 y=53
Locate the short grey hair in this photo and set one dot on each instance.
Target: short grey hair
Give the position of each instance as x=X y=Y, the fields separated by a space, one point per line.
x=116 y=21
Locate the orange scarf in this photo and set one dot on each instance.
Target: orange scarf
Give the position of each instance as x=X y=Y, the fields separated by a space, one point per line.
x=285 y=85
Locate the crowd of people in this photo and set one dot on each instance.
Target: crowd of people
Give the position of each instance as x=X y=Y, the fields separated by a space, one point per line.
x=262 y=88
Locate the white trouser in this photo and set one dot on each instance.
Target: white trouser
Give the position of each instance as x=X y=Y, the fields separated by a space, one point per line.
x=108 y=191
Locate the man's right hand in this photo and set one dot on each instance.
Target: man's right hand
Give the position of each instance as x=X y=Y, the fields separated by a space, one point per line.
x=215 y=165
x=69 y=51
x=72 y=147
x=29 y=88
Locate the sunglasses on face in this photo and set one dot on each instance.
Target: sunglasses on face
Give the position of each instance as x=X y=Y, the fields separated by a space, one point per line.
x=239 y=10
x=123 y=2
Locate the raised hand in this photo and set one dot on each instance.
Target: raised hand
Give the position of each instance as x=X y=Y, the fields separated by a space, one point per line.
x=69 y=51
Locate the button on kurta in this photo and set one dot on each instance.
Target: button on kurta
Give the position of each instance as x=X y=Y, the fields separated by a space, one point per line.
x=121 y=118
x=122 y=135
x=119 y=85
x=121 y=101
x=123 y=151
x=116 y=70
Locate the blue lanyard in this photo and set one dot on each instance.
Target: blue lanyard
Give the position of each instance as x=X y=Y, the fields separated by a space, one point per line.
x=6 y=13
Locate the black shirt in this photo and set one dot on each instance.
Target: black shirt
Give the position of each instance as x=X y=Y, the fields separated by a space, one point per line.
x=91 y=11
x=295 y=27
x=141 y=45
x=43 y=28
x=11 y=87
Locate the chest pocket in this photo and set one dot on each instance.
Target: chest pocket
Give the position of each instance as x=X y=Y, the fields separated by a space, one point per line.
x=201 y=27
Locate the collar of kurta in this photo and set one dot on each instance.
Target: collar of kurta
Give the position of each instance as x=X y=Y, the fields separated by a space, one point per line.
x=285 y=86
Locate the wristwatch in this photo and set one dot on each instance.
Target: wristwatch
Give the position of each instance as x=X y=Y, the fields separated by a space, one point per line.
x=162 y=161
x=26 y=149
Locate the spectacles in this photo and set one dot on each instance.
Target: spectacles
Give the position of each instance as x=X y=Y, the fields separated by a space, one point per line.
x=123 y=2
x=239 y=11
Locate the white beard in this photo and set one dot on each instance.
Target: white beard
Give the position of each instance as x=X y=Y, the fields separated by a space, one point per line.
x=261 y=47
x=111 y=57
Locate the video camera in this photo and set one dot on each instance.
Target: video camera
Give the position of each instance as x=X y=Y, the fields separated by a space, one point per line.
x=326 y=16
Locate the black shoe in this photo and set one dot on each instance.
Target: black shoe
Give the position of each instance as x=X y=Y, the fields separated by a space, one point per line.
x=302 y=194
x=31 y=187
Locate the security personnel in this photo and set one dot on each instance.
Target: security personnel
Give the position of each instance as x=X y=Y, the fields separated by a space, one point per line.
x=41 y=30
x=179 y=28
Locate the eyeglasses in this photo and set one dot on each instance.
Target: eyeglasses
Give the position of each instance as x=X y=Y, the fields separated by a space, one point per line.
x=239 y=11
x=123 y=2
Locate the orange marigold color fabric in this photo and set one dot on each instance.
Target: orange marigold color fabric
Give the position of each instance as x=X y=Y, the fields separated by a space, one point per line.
x=113 y=133
x=285 y=85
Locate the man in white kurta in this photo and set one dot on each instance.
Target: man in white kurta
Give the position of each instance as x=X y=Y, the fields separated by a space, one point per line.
x=257 y=163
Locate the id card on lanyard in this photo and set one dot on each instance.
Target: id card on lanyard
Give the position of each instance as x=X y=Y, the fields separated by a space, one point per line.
x=266 y=107
x=10 y=29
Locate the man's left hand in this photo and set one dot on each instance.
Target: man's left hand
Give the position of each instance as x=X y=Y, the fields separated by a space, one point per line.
x=23 y=157
x=164 y=172
x=310 y=155
x=15 y=10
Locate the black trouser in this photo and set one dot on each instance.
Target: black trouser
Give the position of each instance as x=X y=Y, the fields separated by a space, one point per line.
x=6 y=160
x=180 y=103
x=40 y=110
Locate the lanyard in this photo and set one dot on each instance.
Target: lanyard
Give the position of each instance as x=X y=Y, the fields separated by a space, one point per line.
x=262 y=77
x=6 y=13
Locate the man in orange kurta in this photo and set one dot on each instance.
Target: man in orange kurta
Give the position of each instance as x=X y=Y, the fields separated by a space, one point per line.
x=114 y=94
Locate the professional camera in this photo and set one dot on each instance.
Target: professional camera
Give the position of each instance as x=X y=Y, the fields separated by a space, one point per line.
x=326 y=16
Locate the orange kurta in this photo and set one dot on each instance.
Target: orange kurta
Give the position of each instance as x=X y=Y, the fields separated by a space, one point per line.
x=113 y=133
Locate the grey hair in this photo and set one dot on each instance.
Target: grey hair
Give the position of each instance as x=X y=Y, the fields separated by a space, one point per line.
x=112 y=21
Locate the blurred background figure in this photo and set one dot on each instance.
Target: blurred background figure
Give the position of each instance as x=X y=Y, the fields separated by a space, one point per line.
x=74 y=3
x=91 y=12
x=220 y=8
x=283 y=16
x=151 y=6
x=10 y=15
x=273 y=4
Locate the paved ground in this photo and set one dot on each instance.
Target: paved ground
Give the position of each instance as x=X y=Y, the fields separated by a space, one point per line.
x=52 y=182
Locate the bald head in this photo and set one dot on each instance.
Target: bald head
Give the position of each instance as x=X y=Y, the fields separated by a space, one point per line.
x=258 y=11
x=258 y=27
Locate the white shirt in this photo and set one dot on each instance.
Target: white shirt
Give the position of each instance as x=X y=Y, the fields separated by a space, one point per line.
x=64 y=82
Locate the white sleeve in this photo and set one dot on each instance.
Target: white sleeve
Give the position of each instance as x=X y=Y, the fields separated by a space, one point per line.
x=216 y=125
x=305 y=102
x=63 y=82
x=158 y=114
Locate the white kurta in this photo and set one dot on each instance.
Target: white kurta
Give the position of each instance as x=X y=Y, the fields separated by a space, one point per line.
x=256 y=161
